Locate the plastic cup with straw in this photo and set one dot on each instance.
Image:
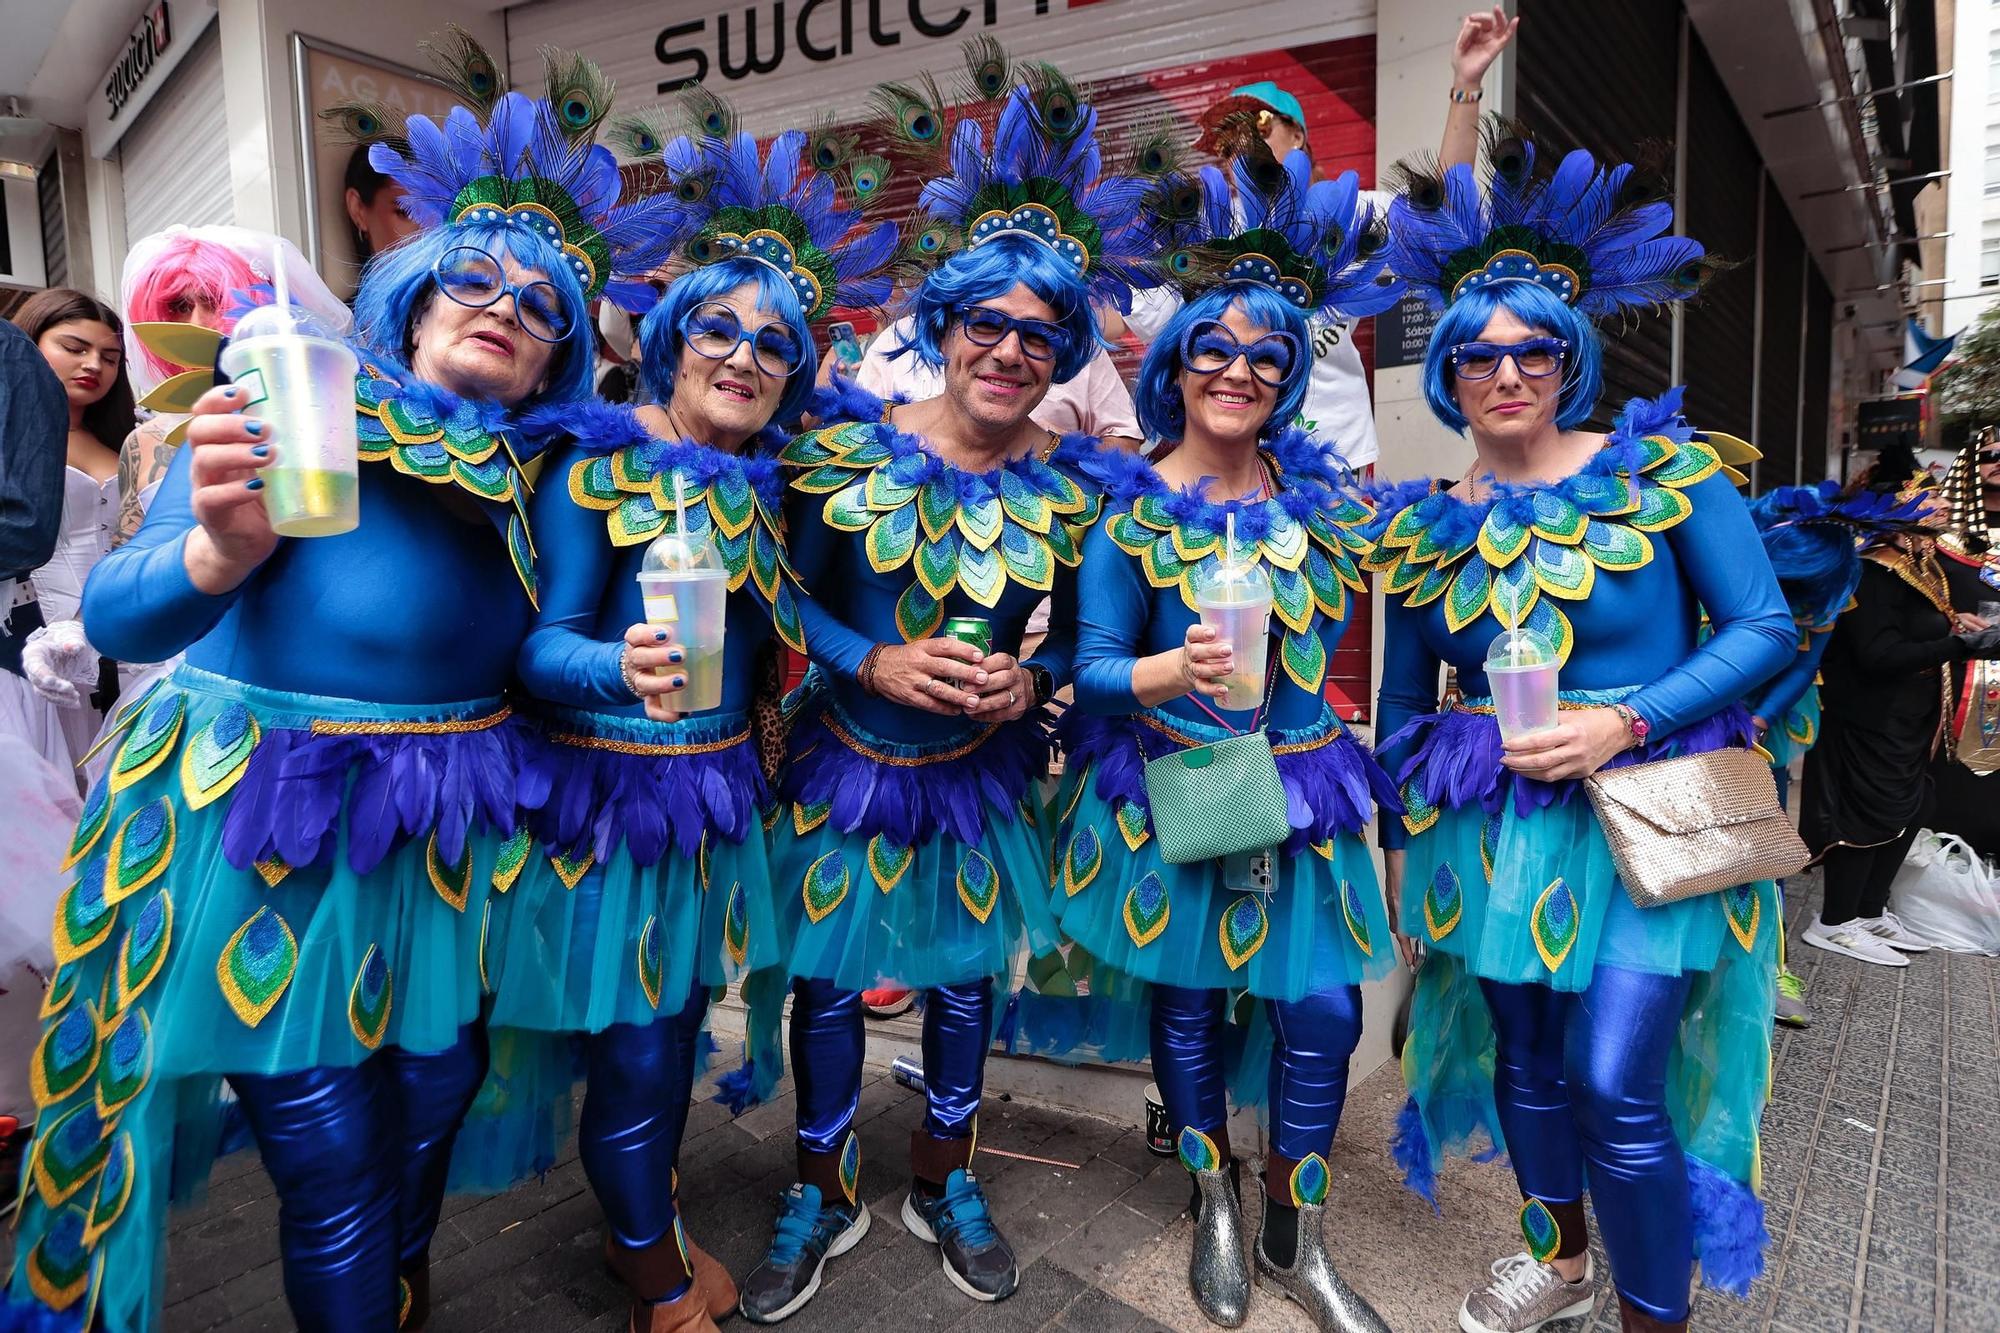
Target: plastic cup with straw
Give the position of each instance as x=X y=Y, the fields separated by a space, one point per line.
x=299 y=377
x=685 y=586
x=1521 y=670
x=1233 y=598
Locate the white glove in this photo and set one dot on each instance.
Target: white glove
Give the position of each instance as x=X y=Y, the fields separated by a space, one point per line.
x=60 y=663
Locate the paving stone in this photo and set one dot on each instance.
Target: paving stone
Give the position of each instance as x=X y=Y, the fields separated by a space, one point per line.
x=1094 y=1312
x=1097 y=1250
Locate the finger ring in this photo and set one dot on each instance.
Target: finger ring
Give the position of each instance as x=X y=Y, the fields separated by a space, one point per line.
x=1012 y=698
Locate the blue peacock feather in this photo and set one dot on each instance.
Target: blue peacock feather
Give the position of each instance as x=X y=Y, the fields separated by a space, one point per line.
x=1814 y=536
x=1594 y=235
x=1319 y=244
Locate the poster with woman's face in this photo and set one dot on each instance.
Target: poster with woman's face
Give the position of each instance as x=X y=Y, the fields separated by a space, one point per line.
x=352 y=212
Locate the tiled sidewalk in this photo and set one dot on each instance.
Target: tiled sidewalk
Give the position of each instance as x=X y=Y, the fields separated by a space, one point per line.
x=1882 y=1172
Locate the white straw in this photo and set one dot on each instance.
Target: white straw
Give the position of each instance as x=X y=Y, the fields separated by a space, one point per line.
x=279 y=286
x=681 y=519
x=1229 y=541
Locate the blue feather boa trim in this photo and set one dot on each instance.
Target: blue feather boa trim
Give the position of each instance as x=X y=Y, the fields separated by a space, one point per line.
x=392 y=787
x=582 y=797
x=910 y=803
x=602 y=428
x=1331 y=789
x=1455 y=761
x=1307 y=469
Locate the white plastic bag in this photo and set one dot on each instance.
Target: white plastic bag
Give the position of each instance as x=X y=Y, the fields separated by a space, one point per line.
x=1946 y=895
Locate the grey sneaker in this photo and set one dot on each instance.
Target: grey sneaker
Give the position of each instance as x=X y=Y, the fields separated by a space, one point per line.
x=1524 y=1295
x=1792 y=1011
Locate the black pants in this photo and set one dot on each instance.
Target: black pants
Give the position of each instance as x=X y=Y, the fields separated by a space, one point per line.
x=1858 y=878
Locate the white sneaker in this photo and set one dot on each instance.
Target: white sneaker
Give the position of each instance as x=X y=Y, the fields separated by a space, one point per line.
x=1893 y=933
x=1852 y=939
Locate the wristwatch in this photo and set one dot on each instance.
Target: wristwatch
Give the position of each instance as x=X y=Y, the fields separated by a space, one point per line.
x=1044 y=683
x=1638 y=726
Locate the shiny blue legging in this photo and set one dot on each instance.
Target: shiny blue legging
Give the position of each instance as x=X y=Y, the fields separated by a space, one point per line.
x=1580 y=1083
x=359 y=1157
x=826 y=1058
x=1313 y=1038
x=634 y=1114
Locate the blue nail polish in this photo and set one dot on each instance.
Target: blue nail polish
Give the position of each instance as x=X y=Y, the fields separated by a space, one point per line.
x=254 y=484
x=680 y=682
x=229 y=393
x=659 y=636
x=674 y=656
x=254 y=427
x=261 y=451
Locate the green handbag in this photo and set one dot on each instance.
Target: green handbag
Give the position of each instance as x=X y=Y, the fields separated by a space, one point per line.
x=1217 y=800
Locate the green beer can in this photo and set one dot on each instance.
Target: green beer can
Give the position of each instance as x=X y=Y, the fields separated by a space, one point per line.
x=975 y=630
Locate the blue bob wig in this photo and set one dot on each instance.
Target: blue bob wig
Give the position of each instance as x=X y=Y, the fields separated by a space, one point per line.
x=1537 y=307
x=660 y=332
x=1162 y=412
x=397 y=287
x=989 y=271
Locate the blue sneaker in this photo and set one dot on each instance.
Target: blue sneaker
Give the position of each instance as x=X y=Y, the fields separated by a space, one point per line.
x=807 y=1235
x=977 y=1258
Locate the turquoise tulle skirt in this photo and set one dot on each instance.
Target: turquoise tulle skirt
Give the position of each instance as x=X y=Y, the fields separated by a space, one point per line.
x=913 y=865
x=265 y=882
x=1322 y=925
x=1535 y=898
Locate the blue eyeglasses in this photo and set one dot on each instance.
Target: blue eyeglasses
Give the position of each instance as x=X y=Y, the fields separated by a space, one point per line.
x=715 y=331
x=1537 y=358
x=1040 y=340
x=476 y=280
x=1208 y=348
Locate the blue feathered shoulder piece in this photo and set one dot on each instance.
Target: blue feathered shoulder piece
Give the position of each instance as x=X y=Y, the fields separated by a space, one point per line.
x=1814 y=536
x=534 y=163
x=796 y=207
x=1319 y=244
x=1042 y=174
x=1595 y=236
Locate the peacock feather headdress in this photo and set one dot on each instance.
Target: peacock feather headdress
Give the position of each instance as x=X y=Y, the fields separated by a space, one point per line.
x=1320 y=245
x=1814 y=535
x=1593 y=235
x=797 y=209
x=1041 y=175
x=507 y=159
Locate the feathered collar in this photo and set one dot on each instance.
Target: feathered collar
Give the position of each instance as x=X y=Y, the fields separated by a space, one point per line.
x=599 y=428
x=1305 y=470
x=528 y=430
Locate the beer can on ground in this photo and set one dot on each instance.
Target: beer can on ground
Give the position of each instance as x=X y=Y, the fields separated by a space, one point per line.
x=908 y=1071
x=975 y=630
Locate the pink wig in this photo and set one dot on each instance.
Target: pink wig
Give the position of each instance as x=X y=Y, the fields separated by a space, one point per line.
x=186 y=269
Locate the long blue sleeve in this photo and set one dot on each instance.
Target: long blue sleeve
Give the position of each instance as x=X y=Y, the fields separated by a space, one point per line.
x=33 y=419
x=1410 y=687
x=1113 y=608
x=139 y=604
x=562 y=659
x=1722 y=558
x=816 y=552
x=1785 y=689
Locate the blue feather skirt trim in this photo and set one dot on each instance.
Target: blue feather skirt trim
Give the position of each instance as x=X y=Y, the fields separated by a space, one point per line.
x=1322 y=926
x=918 y=865
x=1525 y=890
x=372 y=834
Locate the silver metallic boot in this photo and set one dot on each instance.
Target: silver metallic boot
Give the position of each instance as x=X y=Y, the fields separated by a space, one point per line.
x=1217 y=1274
x=1311 y=1282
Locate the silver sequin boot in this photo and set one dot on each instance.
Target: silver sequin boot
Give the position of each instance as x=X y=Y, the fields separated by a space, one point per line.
x=1217 y=1274
x=1334 y=1306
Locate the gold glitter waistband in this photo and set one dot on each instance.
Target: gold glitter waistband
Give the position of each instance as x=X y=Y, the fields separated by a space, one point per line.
x=856 y=744
x=1289 y=747
x=324 y=727
x=1487 y=710
x=612 y=746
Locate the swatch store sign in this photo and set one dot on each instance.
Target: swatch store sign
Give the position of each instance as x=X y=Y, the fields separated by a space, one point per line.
x=163 y=34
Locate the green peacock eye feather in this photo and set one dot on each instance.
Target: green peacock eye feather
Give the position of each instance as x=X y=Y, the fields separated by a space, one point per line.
x=1510 y=160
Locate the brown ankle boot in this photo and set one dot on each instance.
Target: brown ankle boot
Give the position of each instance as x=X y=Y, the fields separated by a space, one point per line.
x=686 y=1313
x=1638 y=1321
x=718 y=1289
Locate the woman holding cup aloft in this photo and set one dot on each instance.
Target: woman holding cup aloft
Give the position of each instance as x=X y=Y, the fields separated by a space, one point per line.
x=1548 y=994
x=1295 y=918
x=280 y=881
x=649 y=883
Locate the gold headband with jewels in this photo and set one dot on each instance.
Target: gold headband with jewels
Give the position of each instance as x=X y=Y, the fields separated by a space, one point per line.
x=1035 y=220
x=544 y=223
x=1513 y=265
x=772 y=250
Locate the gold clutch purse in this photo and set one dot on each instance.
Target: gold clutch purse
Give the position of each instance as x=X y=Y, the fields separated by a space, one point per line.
x=1679 y=828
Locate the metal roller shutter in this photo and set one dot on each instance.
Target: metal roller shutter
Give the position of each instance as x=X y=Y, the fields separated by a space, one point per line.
x=1718 y=341
x=55 y=236
x=1784 y=275
x=175 y=160
x=1815 y=445
x=1602 y=77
